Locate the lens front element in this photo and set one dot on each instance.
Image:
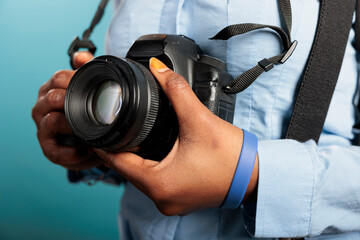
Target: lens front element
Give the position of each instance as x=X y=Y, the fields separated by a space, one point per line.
x=106 y=102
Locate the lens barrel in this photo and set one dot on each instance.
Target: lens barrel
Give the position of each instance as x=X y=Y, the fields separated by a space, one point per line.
x=117 y=105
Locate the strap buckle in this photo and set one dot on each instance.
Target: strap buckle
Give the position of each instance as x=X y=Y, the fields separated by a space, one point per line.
x=76 y=45
x=289 y=52
x=267 y=65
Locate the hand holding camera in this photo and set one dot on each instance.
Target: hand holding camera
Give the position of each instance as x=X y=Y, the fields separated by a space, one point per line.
x=198 y=171
x=117 y=107
x=48 y=114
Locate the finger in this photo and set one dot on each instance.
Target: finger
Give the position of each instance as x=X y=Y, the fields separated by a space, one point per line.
x=52 y=125
x=178 y=91
x=60 y=80
x=52 y=101
x=80 y=58
x=66 y=156
x=90 y=162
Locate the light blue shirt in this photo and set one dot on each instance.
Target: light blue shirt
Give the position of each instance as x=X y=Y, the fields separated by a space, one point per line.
x=304 y=189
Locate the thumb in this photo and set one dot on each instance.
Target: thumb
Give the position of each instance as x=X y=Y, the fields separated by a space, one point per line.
x=184 y=101
x=129 y=165
x=80 y=58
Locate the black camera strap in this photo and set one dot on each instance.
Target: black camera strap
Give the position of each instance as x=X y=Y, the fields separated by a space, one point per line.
x=244 y=80
x=85 y=42
x=322 y=69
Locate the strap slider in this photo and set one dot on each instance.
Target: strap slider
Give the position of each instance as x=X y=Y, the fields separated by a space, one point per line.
x=289 y=52
x=266 y=64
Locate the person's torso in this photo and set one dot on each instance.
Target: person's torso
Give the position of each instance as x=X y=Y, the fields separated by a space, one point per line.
x=264 y=108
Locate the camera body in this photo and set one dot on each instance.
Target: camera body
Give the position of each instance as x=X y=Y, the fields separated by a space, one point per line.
x=206 y=75
x=136 y=115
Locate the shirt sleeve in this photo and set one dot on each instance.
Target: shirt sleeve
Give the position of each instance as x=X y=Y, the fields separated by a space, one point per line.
x=306 y=190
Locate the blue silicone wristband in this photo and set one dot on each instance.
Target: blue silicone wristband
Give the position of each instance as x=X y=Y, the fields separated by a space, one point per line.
x=243 y=172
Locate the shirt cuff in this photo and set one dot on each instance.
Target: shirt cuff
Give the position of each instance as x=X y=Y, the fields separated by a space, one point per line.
x=285 y=189
x=93 y=175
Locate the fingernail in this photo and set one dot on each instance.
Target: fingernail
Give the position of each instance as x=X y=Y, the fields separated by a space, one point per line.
x=158 y=65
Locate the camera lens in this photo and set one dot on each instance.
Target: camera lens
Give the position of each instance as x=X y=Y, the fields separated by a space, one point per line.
x=106 y=103
x=117 y=105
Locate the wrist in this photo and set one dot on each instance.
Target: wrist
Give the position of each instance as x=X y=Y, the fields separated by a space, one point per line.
x=251 y=191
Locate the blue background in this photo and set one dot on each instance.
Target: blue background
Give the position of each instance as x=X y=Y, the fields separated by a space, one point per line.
x=36 y=201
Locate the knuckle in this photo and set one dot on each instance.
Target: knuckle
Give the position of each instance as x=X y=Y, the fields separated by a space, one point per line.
x=42 y=88
x=109 y=159
x=59 y=79
x=176 y=82
x=55 y=97
x=51 y=120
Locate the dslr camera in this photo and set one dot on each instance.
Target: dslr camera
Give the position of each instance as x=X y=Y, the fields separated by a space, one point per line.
x=117 y=105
